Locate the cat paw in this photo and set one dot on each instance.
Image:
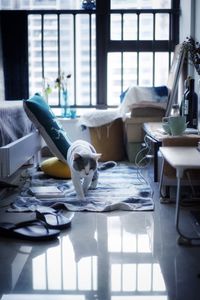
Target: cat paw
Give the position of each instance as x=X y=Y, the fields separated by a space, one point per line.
x=93 y=185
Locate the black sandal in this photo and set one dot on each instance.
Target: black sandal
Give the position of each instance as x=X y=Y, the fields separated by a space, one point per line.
x=54 y=220
x=35 y=230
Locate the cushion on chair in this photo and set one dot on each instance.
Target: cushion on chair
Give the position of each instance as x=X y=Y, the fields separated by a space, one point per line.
x=40 y=113
x=55 y=168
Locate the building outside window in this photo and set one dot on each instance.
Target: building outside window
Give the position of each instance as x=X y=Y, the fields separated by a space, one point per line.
x=117 y=45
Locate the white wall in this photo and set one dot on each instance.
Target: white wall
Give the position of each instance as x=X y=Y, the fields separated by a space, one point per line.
x=186 y=26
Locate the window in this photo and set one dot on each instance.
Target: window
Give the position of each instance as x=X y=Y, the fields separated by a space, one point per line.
x=140 y=39
x=106 y=50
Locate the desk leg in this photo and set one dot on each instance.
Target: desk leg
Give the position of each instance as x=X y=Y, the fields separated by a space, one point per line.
x=182 y=239
x=156 y=148
x=178 y=205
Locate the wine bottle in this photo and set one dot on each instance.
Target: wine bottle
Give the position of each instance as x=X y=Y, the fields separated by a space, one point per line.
x=183 y=108
x=191 y=106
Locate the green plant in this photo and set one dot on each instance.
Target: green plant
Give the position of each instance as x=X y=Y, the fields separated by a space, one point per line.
x=192 y=50
x=62 y=81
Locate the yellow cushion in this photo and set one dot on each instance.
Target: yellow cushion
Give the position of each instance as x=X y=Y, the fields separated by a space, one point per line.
x=55 y=168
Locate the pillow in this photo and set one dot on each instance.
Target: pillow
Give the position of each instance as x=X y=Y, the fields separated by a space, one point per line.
x=40 y=113
x=55 y=168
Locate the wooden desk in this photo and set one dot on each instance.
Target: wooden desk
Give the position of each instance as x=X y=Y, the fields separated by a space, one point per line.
x=155 y=134
x=181 y=158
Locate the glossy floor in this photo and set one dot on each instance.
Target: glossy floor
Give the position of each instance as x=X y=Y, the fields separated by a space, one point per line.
x=104 y=256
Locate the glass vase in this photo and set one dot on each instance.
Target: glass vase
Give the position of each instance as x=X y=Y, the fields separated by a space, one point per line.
x=65 y=109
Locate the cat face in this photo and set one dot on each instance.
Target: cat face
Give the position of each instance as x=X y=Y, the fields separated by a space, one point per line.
x=85 y=164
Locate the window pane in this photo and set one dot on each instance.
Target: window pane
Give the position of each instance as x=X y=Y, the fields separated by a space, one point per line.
x=145 y=69
x=35 y=59
x=114 y=78
x=124 y=4
x=50 y=46
x=63 y=51
x=162 y=27
x=51 y=54
x=122 y=73
x=83 y=57
x=130 y=27
x=38 y=4
x=161 y=69
x=146 y=27
x=66 y=52
x=116 y=32
x=129 y=69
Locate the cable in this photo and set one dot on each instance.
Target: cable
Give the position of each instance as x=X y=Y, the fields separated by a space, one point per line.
x=144 y=154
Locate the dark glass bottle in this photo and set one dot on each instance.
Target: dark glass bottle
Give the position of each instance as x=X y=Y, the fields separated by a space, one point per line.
x=183 y=109
x=191 y=106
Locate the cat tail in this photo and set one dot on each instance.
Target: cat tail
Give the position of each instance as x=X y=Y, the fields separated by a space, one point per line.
x=107 y=165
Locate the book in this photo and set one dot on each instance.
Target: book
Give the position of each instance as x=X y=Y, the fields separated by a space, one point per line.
x=46 y=192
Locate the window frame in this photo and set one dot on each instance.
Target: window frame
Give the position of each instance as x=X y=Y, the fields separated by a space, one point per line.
x=104 y=45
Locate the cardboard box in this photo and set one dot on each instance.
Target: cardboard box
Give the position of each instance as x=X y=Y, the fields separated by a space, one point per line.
x=109 y=140
x=134 y=128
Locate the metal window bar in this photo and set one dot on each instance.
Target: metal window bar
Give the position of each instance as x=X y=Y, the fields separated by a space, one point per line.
x=74 y=14
x=74 y=56
x=124 y=46
x=122 y=55
x=138 y=34
x=42 y=42
x=142 y=46
x=154 y=29
x=58 y=53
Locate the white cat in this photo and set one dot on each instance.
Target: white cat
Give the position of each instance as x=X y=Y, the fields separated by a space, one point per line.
x=83 y=162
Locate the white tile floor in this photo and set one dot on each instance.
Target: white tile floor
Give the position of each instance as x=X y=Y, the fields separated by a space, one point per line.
x=104 y=256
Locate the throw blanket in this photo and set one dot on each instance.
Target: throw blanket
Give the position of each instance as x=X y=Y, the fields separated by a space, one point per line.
x=134 y=97
x=119 y=188
x=144 y=96
x=14 y=122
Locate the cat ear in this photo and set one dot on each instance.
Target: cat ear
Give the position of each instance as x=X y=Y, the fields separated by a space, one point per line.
x=97 y=155
x=76 y=156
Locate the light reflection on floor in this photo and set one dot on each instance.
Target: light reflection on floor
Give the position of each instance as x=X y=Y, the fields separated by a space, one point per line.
x=111 y=255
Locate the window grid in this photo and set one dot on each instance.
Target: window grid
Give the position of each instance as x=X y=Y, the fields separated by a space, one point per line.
x=94 y=97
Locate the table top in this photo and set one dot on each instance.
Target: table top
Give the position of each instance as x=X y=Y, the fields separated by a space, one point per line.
x=156 y=131
x=182 y=157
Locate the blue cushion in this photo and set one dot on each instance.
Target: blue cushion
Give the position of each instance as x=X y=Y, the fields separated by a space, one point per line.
x=40 y=113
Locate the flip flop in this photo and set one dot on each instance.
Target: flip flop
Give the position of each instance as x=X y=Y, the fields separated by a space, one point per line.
x=54 y=220
x=30 y=230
